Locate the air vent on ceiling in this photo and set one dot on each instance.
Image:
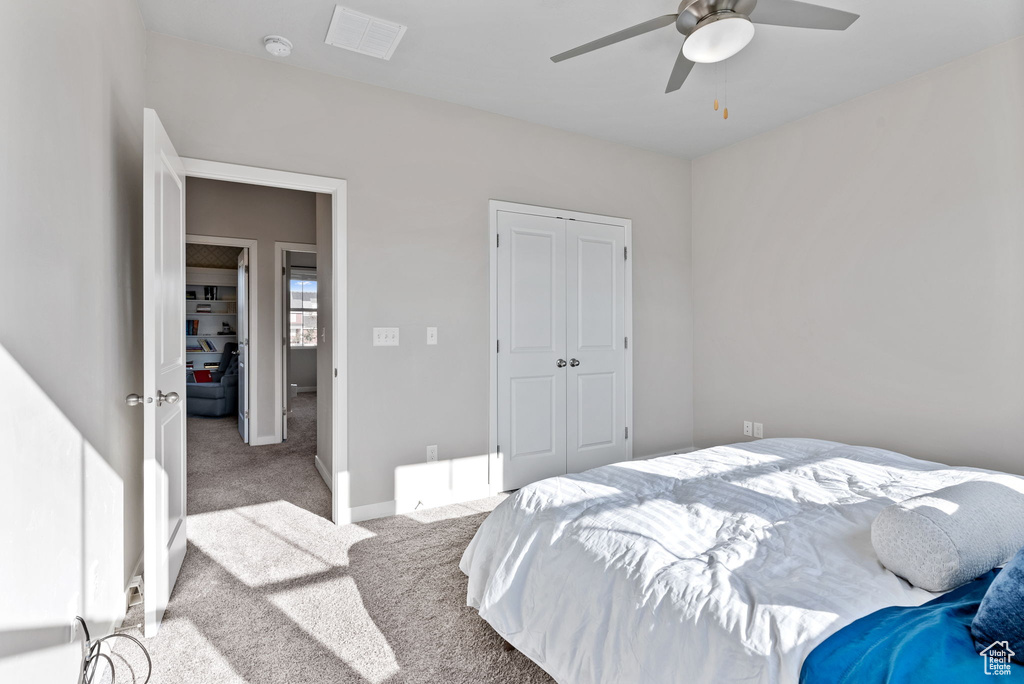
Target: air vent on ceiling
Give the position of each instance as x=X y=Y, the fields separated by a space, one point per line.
x=364 y=34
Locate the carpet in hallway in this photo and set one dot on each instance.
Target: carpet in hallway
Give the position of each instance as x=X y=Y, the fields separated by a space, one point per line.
x=272 y=592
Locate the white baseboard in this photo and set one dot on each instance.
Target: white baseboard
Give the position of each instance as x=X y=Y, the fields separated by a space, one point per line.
x=116 y=621
x=674 y=452
x=322 y=469
x=306 y=389
x=382 y=509
x=425 y=490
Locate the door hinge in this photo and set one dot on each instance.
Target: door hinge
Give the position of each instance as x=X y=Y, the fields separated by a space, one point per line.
x=625 y=253
x=283 y=271
x=626 y=341
x=335 y=372
x=627 y=433
x=498 y=243
x=498 y=350
x=499 y=451
x=284 y=411
x=247 y=415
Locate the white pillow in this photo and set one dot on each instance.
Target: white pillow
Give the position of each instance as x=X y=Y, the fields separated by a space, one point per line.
x=942 y=540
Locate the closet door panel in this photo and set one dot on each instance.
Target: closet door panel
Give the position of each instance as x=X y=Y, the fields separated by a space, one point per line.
x=595 y=332
x=531 y=332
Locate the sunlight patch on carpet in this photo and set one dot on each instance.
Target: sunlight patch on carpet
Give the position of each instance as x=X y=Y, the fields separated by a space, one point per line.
x=346 y=629
x=250 y=552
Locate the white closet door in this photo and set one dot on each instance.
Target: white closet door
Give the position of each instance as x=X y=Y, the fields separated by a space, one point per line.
x=595 y=340
x=531 y=331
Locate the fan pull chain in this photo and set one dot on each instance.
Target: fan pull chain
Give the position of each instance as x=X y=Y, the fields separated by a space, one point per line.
x=716 y=86
x=725 y=114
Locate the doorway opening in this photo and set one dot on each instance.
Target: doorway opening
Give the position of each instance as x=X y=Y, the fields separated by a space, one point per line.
x=219 y=310
x=298 y=315
x=245 y=444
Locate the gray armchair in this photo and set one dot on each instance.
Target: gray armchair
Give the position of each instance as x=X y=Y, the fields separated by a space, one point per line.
x=217 y=398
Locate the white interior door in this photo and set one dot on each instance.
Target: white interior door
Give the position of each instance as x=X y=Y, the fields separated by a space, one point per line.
x=243 y=344
x=531 y=359
x=286 y=298
x=163 y=322
x=562 y=378
x=595 y=339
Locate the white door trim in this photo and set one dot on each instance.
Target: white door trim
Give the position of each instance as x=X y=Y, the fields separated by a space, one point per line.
x=253 y=303
x=338 y=190
x=280 y=398
x=494 y=464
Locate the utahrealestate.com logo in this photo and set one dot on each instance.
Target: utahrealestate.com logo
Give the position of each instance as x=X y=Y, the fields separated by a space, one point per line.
x=997 y=658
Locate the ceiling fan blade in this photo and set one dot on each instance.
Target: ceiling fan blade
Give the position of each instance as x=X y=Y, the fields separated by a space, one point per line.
x=679 y=73
x=631 y=32
x=801 y=15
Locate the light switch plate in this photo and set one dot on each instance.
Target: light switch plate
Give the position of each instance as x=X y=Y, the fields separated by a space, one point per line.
x=758 y=430
x=431 y=335
x=385 y=337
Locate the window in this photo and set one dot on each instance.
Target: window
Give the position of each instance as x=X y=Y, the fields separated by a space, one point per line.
x=302 y=308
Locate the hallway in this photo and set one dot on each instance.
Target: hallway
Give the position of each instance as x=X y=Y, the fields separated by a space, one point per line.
x=224 y=473
x=271 y=591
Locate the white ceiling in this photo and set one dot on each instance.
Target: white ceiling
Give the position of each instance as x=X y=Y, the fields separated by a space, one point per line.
x=495 y=56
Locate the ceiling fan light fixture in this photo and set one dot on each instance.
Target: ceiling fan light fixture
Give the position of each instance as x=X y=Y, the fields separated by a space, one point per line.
x=718 y=37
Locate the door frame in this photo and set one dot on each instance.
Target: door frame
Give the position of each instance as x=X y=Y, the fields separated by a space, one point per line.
x=494 y=463
x=251 y=304
x=337 y=188
x=280 y=395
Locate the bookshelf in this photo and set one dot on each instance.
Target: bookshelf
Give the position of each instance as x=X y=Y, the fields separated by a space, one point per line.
x=211 y=314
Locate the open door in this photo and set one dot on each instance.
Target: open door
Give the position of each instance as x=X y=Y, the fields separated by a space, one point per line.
x=286 y=292
x=243 y=344
x=163 y=344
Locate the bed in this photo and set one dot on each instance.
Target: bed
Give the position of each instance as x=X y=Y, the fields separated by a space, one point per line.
x=729 y=564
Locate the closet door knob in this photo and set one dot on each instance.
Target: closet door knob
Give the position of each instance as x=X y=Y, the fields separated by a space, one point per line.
x=560 y=363
x=170 y=398
x=574 y=362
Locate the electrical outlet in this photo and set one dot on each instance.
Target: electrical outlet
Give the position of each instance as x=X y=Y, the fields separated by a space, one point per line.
x=385 y=337
x=431 y=453
x=431 y=335
x=748 y=428
x=758 y=430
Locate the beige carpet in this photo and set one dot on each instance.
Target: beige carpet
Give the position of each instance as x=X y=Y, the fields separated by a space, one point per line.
x=272 y=591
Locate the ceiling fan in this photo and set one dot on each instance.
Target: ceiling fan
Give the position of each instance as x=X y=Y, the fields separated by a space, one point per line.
x=714 y=30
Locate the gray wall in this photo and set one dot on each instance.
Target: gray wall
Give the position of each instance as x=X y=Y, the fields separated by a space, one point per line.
x=859 y=276
x=419 y=175
x=266 y=215
x=302 y=367
x=70 y=323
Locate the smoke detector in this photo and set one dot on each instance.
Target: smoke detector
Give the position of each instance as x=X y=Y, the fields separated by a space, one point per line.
x=364 y=34
x=278 y=46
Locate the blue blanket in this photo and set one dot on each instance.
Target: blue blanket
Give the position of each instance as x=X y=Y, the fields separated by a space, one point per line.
x=907 y=645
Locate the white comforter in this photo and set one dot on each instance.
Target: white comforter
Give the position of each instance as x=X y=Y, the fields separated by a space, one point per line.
x=725 y=565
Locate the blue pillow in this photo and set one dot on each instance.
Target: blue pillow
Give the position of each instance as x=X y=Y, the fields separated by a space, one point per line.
x=1001 y=613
